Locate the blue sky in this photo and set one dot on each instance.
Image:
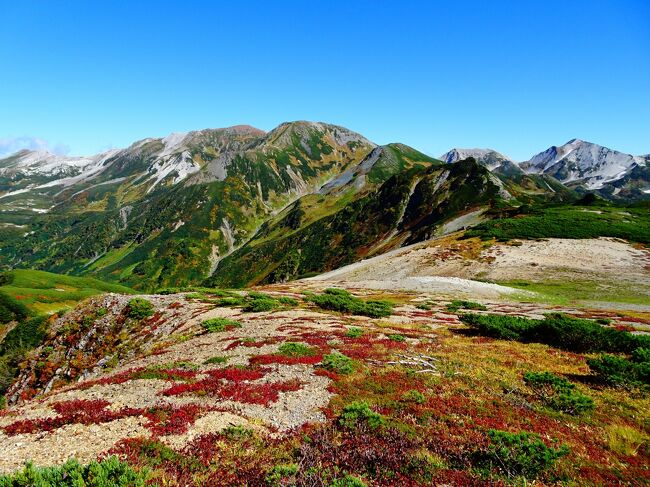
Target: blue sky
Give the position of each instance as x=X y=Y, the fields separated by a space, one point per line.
x=517 y=76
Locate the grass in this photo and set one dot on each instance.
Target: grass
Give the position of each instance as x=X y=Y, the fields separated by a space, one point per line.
x=626 y=440
x=565 y=292
x=46 y=292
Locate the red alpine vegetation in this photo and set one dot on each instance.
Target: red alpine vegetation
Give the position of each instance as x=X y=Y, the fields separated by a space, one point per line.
x=77 y=411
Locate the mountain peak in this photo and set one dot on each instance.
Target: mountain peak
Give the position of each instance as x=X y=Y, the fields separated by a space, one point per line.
x=304 y=129
x=491 y=159
x=582 y=163
x=457 y=154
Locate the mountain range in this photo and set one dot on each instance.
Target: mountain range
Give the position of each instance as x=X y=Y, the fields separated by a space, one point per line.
x=577 y=164
x=239 y=206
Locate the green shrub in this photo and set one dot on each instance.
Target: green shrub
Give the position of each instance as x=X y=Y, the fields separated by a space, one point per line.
x=110 y=472
x=414 y=396
x=238 y=432
x=287 y=301
x=260 y=302
x=519 y=454
x=11 y=309
x=618 y=371
x=359 y=412
x=500 y=326
x=216 y=360
x=292 y=349
x=558 y=393
x=568 y=222
x=396 y=337
x=460 y=304
x=258 y=295
x=573 y=334
x=281 y=473
x=139 y=308
x=340 y=300
x=25 y=336
x=230 y=301
x=354 y=332
x=348 y=481
x=339 y=363
x=219 y=324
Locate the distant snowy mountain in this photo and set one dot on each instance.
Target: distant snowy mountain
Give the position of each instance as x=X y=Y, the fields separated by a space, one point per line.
x=46 y=164
x=491 y=159
x=151 y=161
x=580 y=163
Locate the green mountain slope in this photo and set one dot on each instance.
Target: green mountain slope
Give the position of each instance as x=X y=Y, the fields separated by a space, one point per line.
x=409 y=207
x=183 y=209
x=45 y=292
x=149 y=236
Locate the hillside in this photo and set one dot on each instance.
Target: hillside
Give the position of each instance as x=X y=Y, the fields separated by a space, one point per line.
x=245 y=388
x=45 y=292
x=142 y=218
x=196 y=207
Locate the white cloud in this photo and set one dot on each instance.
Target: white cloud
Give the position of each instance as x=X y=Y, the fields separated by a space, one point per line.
x=9 y=145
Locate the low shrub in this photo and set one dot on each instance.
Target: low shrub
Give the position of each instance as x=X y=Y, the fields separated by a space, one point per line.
x=396 y=337
x=259 y=304
x=558 y=393
x=500 y=326
x=359 y=412
x=139 y=308
x=293 y=349
x=619 y=371
x=230 y=301
x=519 y=454
x=340 y=300
x=11 y=309
x=339 y=363
x=280 y=474
x=110 y=472
x=219 y=324
x=558 y=330
x=216 y=360
x=414 y=396
x=460 y=304
x=288 y=301
x=354 y=332
x=348 y=481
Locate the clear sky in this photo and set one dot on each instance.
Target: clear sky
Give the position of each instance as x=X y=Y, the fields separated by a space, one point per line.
x=516 y=76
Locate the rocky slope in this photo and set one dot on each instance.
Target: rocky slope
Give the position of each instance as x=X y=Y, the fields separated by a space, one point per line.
x=578 y=164
x=493 y=160
x=591 y=166
x=299 y=394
